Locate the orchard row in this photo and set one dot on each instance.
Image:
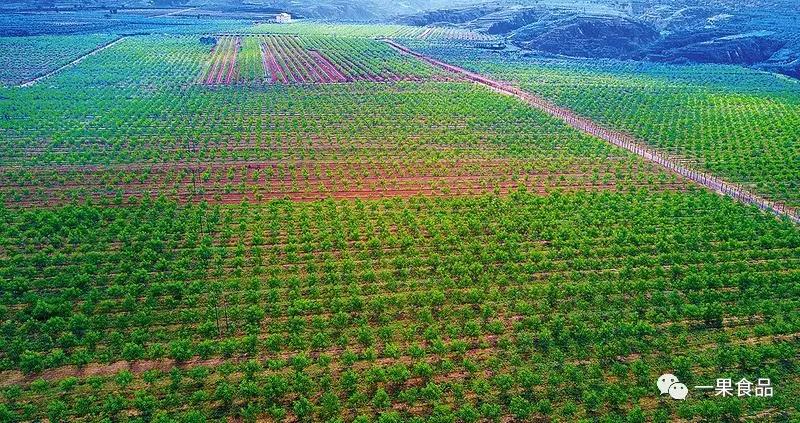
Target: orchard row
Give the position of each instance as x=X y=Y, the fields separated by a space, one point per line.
x=449 y=297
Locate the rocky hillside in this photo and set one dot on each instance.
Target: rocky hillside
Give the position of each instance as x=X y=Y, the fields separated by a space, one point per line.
x=759 y=33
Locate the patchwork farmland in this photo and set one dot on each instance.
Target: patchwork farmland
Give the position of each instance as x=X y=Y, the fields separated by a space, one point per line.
x=303 y=223
x=223 y=67
x=291 y=59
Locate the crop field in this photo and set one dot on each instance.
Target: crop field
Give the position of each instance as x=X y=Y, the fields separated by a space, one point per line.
x=740 y=124
x=89 y=23
x=332 y=140
x=223 y=67
x=300 y=223
x=444 y=309
x=454 y=36
x=25 y=58
x=373 y=140
x=289 y=59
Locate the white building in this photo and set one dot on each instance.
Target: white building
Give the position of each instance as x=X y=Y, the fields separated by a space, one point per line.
x=283 y=18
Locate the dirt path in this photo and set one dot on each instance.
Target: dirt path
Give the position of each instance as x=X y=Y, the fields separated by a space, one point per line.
x=15 y=377
x=73 y=63
x=175 y=12
x=481 y=348
x=619 y=139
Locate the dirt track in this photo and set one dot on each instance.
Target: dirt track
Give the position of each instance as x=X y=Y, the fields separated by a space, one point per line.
x=73 y=63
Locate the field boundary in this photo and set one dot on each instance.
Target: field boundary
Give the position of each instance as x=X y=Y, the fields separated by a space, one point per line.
x=96 y=50
x=716 y=184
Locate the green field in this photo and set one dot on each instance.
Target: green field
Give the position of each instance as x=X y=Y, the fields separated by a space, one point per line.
x=298 y=223
x=740 y=124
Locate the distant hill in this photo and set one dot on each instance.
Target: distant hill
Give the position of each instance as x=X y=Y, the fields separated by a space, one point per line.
x=759 y=33
x=349 y=10
x=764 y=34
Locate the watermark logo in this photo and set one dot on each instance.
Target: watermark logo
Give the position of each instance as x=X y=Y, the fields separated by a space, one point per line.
x=669 y=384
x=678 y=391
x=744 y=388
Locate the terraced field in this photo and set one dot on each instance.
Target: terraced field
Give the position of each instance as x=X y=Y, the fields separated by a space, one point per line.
x=299 y=223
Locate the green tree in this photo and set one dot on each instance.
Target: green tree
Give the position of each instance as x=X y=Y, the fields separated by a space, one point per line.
x=303 y=409
x=329 y=405
x=389 y=417
x=520 y=407
x=636 y=415
x=132 y=352
x=491 y=411
x=180 y=350
x=124 y=378
x=7 y=415
x=224 y=393
x=468 y=413
x=381 y=399
x=57 y=411
x=144 y=402
x=31 y=362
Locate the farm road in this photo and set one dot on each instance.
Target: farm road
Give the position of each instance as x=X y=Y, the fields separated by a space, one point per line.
x=74 y=62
